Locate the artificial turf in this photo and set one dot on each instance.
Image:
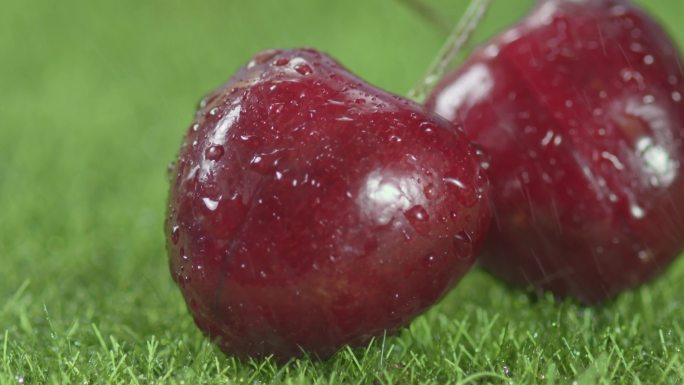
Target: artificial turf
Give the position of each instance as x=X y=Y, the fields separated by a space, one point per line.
x=94 y=98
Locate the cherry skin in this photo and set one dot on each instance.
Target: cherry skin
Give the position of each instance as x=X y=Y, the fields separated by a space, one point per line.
x=309 y=209
x=580 y=108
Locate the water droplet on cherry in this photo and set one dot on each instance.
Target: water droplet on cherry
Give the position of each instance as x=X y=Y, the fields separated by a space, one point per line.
x=281 y=61
x=304 y=69
x=214 y=152
x=175 y=234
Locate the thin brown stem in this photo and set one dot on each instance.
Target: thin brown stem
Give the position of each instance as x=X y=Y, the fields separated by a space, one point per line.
x=458 y=38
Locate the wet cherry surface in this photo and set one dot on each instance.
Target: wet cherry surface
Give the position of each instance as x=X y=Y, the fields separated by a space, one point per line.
x=580 y=109
x=309 y=210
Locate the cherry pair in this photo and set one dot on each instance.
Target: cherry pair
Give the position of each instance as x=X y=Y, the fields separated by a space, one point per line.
x=309 y=209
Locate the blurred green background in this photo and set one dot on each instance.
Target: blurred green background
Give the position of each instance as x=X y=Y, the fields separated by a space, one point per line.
x=94 y=99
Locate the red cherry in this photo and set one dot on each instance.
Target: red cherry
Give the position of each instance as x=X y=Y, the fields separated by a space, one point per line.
x=580 y=108
x=309 y=209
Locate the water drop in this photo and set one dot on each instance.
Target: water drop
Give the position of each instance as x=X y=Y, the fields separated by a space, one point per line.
x=210 y=203
x=418 y=218
x=175 y=234
x=482 y=155
x=213 y=111
x=262 y=57
x=304 y=69
x=203 y=102
x=417 y=213
x=558 y=140
x=256 y=160
x=429 y=191
x=430 y=259
x=645 y=255
x=463 y=236
x=427 y=127
x=463 y=245
x=281 y=62
x=479 y=151
x=637 y=212
x=454 y=216
x=214 y=152
x=454 y=182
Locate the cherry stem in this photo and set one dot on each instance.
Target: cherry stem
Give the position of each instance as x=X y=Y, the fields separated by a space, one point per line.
x=458 y=38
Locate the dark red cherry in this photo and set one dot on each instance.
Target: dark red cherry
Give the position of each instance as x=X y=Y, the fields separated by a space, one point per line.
x=580 y=109
x=309 y=209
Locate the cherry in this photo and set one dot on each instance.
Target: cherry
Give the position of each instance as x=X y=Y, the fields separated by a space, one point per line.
x=309 y=209
x=580 y=109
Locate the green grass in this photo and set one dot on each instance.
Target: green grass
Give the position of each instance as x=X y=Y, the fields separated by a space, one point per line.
x=94 y=97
